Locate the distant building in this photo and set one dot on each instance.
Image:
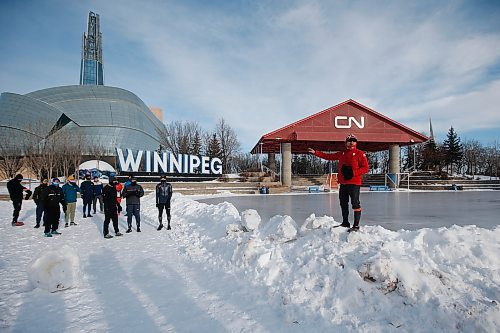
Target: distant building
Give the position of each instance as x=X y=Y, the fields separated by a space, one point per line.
x=92 y=67
x=109 y=117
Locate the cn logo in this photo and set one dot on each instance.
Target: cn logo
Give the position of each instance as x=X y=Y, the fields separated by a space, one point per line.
x=347 y=122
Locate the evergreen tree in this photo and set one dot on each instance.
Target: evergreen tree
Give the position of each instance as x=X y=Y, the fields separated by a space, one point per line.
x=213 y=148
x=453 y=150
x=431 y=156
x=196 y=144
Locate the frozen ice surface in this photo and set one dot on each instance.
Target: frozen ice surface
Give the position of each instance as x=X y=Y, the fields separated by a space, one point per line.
x=391 y=210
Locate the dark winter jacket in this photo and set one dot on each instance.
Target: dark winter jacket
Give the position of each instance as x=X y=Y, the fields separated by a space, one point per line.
x=70 y=192
x=163 y=193
x=97 y=189
x=37 y=195
x=15 y=190
x=52 y=197
x=109 y=194
x=133 y=193
x=87 y=190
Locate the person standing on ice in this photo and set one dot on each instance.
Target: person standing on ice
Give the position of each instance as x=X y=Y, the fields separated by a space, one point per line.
x=16 y=195
x=87 y=195
x=163 y=196
x=353 y=164
x=37 y=198
x=110 y=207
x=70 y=191
x=52 y=197
x=133 y=193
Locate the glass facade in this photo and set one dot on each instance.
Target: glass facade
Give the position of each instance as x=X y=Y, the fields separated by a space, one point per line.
x=110 y=116
x=91 y=69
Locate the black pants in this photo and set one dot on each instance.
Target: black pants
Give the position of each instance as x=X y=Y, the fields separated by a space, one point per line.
x=87 y=202
x=165 y=206
x=17 y=209
x=51 y=220
x=347 y=191
x=134 y=210
x=39 y=213
x=113 y=216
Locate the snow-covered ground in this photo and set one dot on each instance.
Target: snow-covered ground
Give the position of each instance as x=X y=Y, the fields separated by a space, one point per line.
x=224 y=270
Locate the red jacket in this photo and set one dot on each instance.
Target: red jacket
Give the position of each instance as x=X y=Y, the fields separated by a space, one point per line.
x=355 y=158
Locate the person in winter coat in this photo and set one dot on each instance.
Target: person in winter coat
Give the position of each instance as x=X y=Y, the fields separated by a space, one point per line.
x=133 y=193
x=119 y=188
x=16 y=195
x=37 y=198
x=127 y=183
x=353 y=164
x=70 y=191
x=110 y=207
x=87 y=195
x=163 y=196
x=52 y=197
x=97 y=190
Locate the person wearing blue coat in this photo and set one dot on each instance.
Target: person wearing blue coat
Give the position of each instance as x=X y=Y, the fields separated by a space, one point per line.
x=70 y=191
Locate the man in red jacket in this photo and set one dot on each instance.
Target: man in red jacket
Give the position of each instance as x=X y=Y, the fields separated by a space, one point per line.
x=352 y=166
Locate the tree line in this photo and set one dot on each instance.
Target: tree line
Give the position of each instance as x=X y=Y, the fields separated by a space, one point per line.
x=61 y=152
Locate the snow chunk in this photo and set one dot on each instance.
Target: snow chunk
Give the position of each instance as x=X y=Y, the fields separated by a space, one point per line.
x=250 y=219
x=280 y=228
x=55 y=270
x=313 y=222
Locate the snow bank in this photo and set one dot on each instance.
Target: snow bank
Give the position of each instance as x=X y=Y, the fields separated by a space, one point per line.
x=375 y=280
x=55 y=270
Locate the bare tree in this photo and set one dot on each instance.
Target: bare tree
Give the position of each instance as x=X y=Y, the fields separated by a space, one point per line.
x=10 y=161
x=229 y=144
x=180 y=137
x=97 y=149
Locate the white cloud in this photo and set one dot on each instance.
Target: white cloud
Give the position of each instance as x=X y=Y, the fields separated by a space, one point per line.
x=262 y=65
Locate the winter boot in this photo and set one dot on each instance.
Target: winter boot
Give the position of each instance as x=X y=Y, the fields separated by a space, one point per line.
x=66 y=225
x=108 y=236
x=37 y=226
x=48 y=234
x=128 y=231
x=354 y=228
x=73 y=223
x=84 y=216
x=55 y=232
x=160 y=227
x=168 y=225
x=138 y=229
x=345 y=224
x=357 y=218
x=118 y=234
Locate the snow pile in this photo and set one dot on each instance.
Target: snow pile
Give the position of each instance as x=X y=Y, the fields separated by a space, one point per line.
x=55 y=270
x=374 y=280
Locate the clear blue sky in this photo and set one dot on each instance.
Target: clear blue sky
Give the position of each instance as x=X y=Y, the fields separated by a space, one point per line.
x=264 y=64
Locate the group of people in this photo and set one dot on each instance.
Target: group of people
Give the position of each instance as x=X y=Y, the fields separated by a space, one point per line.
x=50 y=198
x=353 y=164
